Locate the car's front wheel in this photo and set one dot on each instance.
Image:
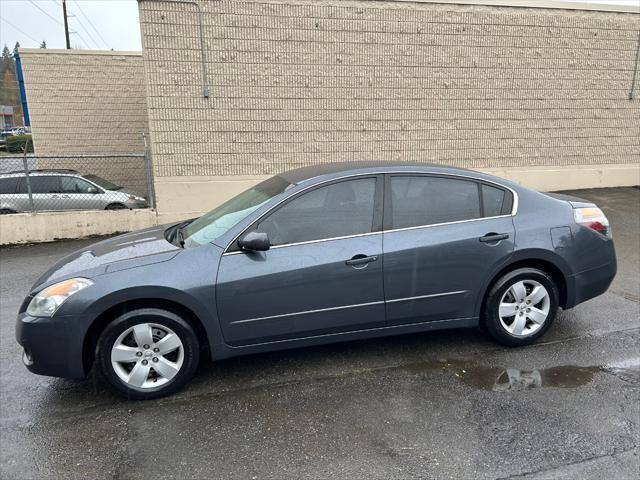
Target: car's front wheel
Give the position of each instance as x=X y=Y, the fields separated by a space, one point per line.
x=147 y=353
x=520 y=307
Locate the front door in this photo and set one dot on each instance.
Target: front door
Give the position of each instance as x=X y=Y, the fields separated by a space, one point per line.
x=322 y=275
x=444 y=235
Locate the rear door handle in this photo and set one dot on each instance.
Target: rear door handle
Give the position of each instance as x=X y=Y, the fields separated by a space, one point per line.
x=493 y=237
x=361 y=260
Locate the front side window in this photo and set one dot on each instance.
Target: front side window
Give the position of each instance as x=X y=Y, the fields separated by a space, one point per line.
x=425 y=200
x=336 y=210
x=75 y=185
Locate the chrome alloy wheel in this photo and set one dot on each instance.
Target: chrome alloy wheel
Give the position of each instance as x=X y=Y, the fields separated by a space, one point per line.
x=147 y=355
x=524 y=308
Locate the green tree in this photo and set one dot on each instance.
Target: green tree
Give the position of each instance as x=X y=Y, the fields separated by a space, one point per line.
x=15 y=49
x=43 y=44
x=6 y=53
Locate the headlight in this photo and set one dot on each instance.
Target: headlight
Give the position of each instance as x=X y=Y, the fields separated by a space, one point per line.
x=45 y=303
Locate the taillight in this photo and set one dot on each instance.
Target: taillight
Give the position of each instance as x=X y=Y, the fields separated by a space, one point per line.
x=593 y=218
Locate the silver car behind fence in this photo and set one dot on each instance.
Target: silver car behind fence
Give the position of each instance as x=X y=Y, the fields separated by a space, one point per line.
x=87 y=182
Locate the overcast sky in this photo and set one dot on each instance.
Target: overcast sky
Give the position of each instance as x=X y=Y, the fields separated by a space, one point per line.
x=99 y=24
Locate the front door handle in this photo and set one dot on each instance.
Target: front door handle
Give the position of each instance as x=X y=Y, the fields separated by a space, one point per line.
x=493 y=237
x=361 y=261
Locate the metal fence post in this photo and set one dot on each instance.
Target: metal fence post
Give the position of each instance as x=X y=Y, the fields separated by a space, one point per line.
x=149 y=174
x=25 y=164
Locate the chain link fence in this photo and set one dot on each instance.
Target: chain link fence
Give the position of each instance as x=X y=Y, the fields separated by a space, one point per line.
x=30 y=183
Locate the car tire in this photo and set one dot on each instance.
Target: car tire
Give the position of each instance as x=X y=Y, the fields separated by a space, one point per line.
x=164 y=362
x=520 y=307
x=115 y=206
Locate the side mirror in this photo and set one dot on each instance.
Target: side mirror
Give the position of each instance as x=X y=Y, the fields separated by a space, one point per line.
x=92 y=190
x=255 y=242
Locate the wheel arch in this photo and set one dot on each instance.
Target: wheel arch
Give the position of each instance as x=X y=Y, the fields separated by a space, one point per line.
x=550 y=263
x=109 y=310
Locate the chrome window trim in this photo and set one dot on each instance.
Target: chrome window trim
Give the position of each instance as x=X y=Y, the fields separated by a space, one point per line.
x=514 y=208
x=346 y=307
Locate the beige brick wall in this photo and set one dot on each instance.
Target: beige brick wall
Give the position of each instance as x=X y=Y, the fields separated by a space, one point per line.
x=299 y=82
x=85 y=102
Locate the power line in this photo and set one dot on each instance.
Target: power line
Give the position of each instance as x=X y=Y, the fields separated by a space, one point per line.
x=18 y=29
x=92 y=25
x=45 y=12
x=86 y=31
x=81 y=39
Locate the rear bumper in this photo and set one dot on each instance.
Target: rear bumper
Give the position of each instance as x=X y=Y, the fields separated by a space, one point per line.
x=51 y=346
x=591 y=283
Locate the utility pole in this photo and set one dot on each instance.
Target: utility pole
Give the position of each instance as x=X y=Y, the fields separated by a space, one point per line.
x=66 y=23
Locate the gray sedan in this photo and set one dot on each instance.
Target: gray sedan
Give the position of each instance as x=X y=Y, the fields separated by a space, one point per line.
x=312 y=256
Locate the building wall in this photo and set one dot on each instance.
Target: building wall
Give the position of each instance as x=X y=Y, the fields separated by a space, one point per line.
x=88 y=102
x=537 y=95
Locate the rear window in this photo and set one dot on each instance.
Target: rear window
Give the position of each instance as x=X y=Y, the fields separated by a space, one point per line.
x=40 y=184
x=496 y=201
x=8 y=185
x=426 y=200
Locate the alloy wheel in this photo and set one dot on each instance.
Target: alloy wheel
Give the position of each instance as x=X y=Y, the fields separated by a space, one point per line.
x=147 y=355
x=524 y=308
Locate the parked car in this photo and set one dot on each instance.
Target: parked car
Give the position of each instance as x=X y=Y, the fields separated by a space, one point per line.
x=313 y=256
x=63 y=190
x=3 y=138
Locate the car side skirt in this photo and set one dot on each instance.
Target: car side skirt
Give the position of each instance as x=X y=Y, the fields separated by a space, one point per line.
x=219 y=352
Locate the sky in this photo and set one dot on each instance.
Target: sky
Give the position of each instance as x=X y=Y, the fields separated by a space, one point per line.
x=97 y=24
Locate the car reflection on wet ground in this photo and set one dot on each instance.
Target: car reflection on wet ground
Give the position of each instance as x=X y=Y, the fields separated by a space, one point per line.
x=438 y=405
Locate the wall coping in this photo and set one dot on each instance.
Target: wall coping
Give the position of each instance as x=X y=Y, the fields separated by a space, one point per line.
x=57 y=51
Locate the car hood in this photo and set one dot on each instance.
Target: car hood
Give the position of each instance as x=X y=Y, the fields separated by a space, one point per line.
x=131 y=250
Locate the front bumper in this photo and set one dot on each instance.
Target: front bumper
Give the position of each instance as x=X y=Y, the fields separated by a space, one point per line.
x=52 y=346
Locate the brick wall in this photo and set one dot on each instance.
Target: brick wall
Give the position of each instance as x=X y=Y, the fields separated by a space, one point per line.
x=85 y=102
x=302 y=82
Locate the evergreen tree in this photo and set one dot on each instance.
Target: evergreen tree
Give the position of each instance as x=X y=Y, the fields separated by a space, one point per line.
x=6 y=53
x=43 y=44
x=15 y=49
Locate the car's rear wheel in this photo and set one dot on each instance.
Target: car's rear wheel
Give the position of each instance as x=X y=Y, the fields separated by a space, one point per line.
x=147 y=353
x=520 y=307
x=115 y=206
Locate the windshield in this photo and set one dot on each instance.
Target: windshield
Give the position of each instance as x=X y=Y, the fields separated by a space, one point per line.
x=101 y=182
x=218 y=221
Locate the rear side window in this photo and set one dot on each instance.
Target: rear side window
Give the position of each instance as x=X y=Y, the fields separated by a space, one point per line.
x=496 y=201
x=336 y=210
x=8 y=185
x=424 y=200
x=40 y=184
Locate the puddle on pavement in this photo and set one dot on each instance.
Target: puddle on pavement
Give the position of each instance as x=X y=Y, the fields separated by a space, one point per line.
x=511 y=379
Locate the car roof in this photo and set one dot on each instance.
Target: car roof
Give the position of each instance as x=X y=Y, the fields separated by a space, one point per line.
x=20 y=173
x=300 y=175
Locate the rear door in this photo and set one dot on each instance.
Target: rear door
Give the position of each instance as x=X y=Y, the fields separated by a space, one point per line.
x=443 y=235
x=45 y=190
x=322 y=275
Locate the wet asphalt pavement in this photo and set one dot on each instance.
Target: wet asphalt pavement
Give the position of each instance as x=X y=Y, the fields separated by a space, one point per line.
x=436 y=405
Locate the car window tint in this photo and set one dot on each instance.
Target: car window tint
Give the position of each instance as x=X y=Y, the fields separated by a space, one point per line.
x=75 y=185
x=337 y=210
x=8 y=185
x=424 y=200
x=40 y=184
x=492 y=200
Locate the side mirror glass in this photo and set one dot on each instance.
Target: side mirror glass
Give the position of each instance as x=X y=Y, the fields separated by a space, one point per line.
x=255 y=242
x=92 y=190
